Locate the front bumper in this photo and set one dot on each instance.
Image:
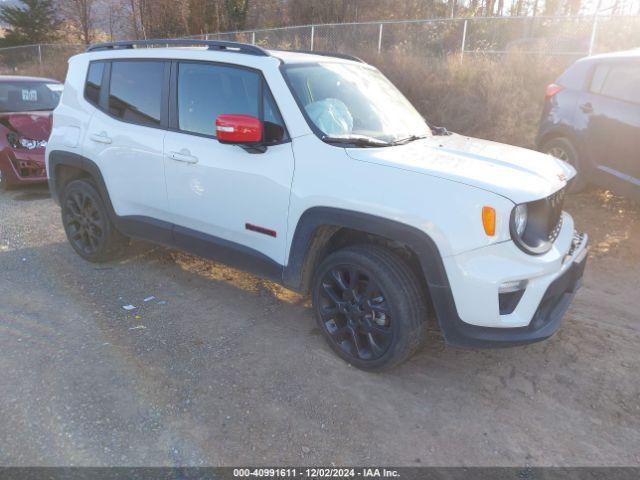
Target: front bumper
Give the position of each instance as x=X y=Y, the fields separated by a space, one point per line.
x=21 y=167
x=545 y=322
x=471 y=317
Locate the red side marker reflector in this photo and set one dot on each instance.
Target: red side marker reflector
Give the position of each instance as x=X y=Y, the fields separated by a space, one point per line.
x=259 y=229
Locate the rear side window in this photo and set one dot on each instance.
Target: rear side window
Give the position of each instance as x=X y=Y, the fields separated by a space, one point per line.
x=94 y=82
x=621 y=82
x=206 y=91
x=135 y=91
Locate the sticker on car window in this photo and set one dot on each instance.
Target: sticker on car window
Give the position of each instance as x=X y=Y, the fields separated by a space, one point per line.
x=55 y=87
x=29 y=95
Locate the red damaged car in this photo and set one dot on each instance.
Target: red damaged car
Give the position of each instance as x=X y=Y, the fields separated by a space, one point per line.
x=26 y=104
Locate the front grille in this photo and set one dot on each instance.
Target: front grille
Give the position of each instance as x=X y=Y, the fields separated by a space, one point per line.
x=555 y=202
x=578 y=238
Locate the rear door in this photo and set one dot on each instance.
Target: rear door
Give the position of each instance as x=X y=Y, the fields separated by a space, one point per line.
x=611 y=109
x=219 y=192
x=126 y=135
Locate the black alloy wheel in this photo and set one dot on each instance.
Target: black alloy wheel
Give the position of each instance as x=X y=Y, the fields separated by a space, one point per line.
x=369 y=306
x=83 y=222
x=355 y=313
x=87 y=224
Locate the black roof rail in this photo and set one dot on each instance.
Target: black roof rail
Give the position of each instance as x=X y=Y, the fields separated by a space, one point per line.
x=187 y=42
x=344 y=56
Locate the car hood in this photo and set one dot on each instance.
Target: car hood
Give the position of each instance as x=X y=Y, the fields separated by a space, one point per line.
x=32 y=125
x=518 y=174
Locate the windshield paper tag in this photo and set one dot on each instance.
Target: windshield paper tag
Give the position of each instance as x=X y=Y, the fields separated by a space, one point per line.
x=29 y=95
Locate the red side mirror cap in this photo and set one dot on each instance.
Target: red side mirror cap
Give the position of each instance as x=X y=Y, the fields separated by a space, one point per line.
x=236 y=128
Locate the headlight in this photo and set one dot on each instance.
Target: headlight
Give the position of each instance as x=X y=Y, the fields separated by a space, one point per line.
x=31 y=144
x=520 y=217
x=27 y=143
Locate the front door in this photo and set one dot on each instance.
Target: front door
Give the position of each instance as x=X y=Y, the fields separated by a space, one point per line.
x=220 y=192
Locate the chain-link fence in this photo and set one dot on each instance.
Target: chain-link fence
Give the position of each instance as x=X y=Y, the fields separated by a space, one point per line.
x=572 y=36
x=547 y=36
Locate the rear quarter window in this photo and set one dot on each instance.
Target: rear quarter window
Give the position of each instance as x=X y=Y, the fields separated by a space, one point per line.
x=93 y=84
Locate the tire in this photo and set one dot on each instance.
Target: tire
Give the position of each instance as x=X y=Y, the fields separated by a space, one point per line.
x=563 y=149
x=87 y=224
x=380 y=326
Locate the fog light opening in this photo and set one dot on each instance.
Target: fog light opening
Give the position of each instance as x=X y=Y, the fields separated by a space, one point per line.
x=509 y=295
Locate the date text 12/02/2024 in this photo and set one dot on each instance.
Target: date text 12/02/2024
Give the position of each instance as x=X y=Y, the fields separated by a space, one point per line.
x=316 y=472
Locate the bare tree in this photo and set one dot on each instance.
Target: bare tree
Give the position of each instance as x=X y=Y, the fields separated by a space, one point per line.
x=80 y=13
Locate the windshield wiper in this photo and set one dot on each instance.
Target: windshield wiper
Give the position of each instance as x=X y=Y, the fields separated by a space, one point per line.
x=356 y=141
x=408 y=139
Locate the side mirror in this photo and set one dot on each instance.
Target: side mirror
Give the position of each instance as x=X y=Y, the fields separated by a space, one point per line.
x=238 y=129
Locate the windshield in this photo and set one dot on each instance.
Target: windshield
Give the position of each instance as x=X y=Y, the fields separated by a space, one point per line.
x=29 y=96
x=354 y=101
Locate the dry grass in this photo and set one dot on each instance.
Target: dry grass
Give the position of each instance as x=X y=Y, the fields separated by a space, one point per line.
x=498 y=98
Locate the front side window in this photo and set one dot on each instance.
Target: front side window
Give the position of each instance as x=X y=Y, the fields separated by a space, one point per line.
x=347 y=100
x=206 y=91
x=135 y=91
x=29 y=96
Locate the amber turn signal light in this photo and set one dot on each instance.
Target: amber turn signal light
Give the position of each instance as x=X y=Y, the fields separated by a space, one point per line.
x=489 y=220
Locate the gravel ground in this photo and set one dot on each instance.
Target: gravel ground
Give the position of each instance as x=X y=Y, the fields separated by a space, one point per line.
x=221 y=368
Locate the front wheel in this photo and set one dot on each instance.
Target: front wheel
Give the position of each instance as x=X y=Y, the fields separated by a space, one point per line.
x=369 y=306
x=564 y=150
x=87 y=224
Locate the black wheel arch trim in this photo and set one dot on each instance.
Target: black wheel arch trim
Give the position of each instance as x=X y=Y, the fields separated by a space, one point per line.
x=295 y=274
x=59 y=158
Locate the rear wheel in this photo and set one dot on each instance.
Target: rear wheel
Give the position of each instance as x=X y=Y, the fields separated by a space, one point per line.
x=87 y=224
x=369 y=306
x=563 y=149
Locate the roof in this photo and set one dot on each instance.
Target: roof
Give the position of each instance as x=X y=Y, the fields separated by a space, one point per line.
x=631 y=54
x=20 y=78
x=176 y=47
x=287 y=56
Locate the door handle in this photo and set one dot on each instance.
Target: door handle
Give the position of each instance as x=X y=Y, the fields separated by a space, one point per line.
x=101 y=137
x=586 y=107
x=184 y=156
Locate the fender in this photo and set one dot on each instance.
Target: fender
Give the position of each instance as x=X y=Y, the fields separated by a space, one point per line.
x=297 y=273
x=57 y=158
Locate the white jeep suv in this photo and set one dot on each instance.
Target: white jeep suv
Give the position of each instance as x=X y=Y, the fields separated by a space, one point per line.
x=314 y=171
